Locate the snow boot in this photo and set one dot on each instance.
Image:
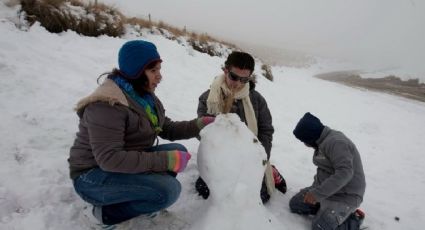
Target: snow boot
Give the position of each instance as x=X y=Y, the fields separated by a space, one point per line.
x=353 y=222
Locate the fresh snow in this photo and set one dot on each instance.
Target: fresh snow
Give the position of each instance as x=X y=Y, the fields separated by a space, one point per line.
x=43 y=75
x=234 y=187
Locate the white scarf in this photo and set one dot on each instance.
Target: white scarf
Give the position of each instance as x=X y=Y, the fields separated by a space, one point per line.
x=215 y=102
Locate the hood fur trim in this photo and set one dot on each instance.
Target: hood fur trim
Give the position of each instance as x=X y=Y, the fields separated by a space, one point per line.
x=108 y=91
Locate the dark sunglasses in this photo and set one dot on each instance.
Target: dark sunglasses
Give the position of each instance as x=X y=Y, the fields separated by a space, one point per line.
x=235 y=77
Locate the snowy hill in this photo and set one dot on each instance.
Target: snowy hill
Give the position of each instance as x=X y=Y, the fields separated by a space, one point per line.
x=43 y=75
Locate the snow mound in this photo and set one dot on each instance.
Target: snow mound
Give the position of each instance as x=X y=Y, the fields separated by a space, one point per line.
x=231 y=160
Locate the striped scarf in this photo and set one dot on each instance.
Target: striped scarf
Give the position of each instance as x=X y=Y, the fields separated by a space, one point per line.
x=146 y=101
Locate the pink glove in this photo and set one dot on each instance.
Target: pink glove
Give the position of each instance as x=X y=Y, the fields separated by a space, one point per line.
x=204 y=121
x=177 y=160
x=279 y=181
x=276 y=175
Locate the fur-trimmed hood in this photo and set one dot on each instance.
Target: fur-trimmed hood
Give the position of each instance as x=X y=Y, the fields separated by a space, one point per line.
x=108 y=91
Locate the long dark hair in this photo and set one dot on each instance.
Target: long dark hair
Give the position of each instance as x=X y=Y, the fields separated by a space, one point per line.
x=139 y=83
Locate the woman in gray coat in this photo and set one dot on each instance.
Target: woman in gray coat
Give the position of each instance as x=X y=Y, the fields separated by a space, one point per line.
x=115 y=162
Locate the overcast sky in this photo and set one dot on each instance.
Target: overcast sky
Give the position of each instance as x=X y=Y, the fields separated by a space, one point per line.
x=384 y=32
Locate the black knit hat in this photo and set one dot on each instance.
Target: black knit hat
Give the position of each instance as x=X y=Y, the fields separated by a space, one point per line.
x=308 y=129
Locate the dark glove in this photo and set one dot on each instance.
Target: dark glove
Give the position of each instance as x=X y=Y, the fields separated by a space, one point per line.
x=279 y=181
x=202 y=188
x=264 y=194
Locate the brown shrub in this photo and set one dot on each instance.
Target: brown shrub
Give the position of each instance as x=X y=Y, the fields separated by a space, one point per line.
x=12 y=3
x=172 y=29
x=61 y=15
x=267 y=72
x=139 y=21
x=100 y=19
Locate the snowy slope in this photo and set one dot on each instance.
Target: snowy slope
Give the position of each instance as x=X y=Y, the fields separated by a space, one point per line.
x=43 y=75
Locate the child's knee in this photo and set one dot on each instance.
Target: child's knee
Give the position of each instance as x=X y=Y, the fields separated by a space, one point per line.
x=328 y=219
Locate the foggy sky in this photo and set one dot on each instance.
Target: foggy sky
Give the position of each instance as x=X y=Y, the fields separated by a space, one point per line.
x=380 y=33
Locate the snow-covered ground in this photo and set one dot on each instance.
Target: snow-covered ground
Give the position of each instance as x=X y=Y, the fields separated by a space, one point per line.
x=43 y=75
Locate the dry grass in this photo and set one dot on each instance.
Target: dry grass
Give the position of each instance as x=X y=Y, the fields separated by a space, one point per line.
x=200 y=42
x=12 y=3
x=172 y=29
x=267 y=72
x=139 y=21
x=91 y=19
x=61 y=15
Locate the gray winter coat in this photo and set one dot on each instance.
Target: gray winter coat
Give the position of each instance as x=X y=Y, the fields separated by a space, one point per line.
x=114 y=132
x=262 y=114
x=340 y=175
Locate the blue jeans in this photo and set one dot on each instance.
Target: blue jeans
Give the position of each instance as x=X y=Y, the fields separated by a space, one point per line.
x=329 y=215
x=124 y=196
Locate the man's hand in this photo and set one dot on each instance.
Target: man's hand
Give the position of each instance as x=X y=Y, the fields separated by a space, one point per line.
x=309 y=198
x=204 y=121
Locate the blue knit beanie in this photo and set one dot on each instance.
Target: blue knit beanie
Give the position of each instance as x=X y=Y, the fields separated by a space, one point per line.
x=308 y=129
x=134 y=56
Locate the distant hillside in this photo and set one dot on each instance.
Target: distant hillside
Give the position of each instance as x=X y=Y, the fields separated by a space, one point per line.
x=279 y=56
x=391 y=84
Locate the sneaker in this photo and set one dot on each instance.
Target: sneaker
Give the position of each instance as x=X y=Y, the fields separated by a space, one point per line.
x=153 y=214
x=97 y=213
x=107 y=227
x=169 y=218
x=93 y=219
